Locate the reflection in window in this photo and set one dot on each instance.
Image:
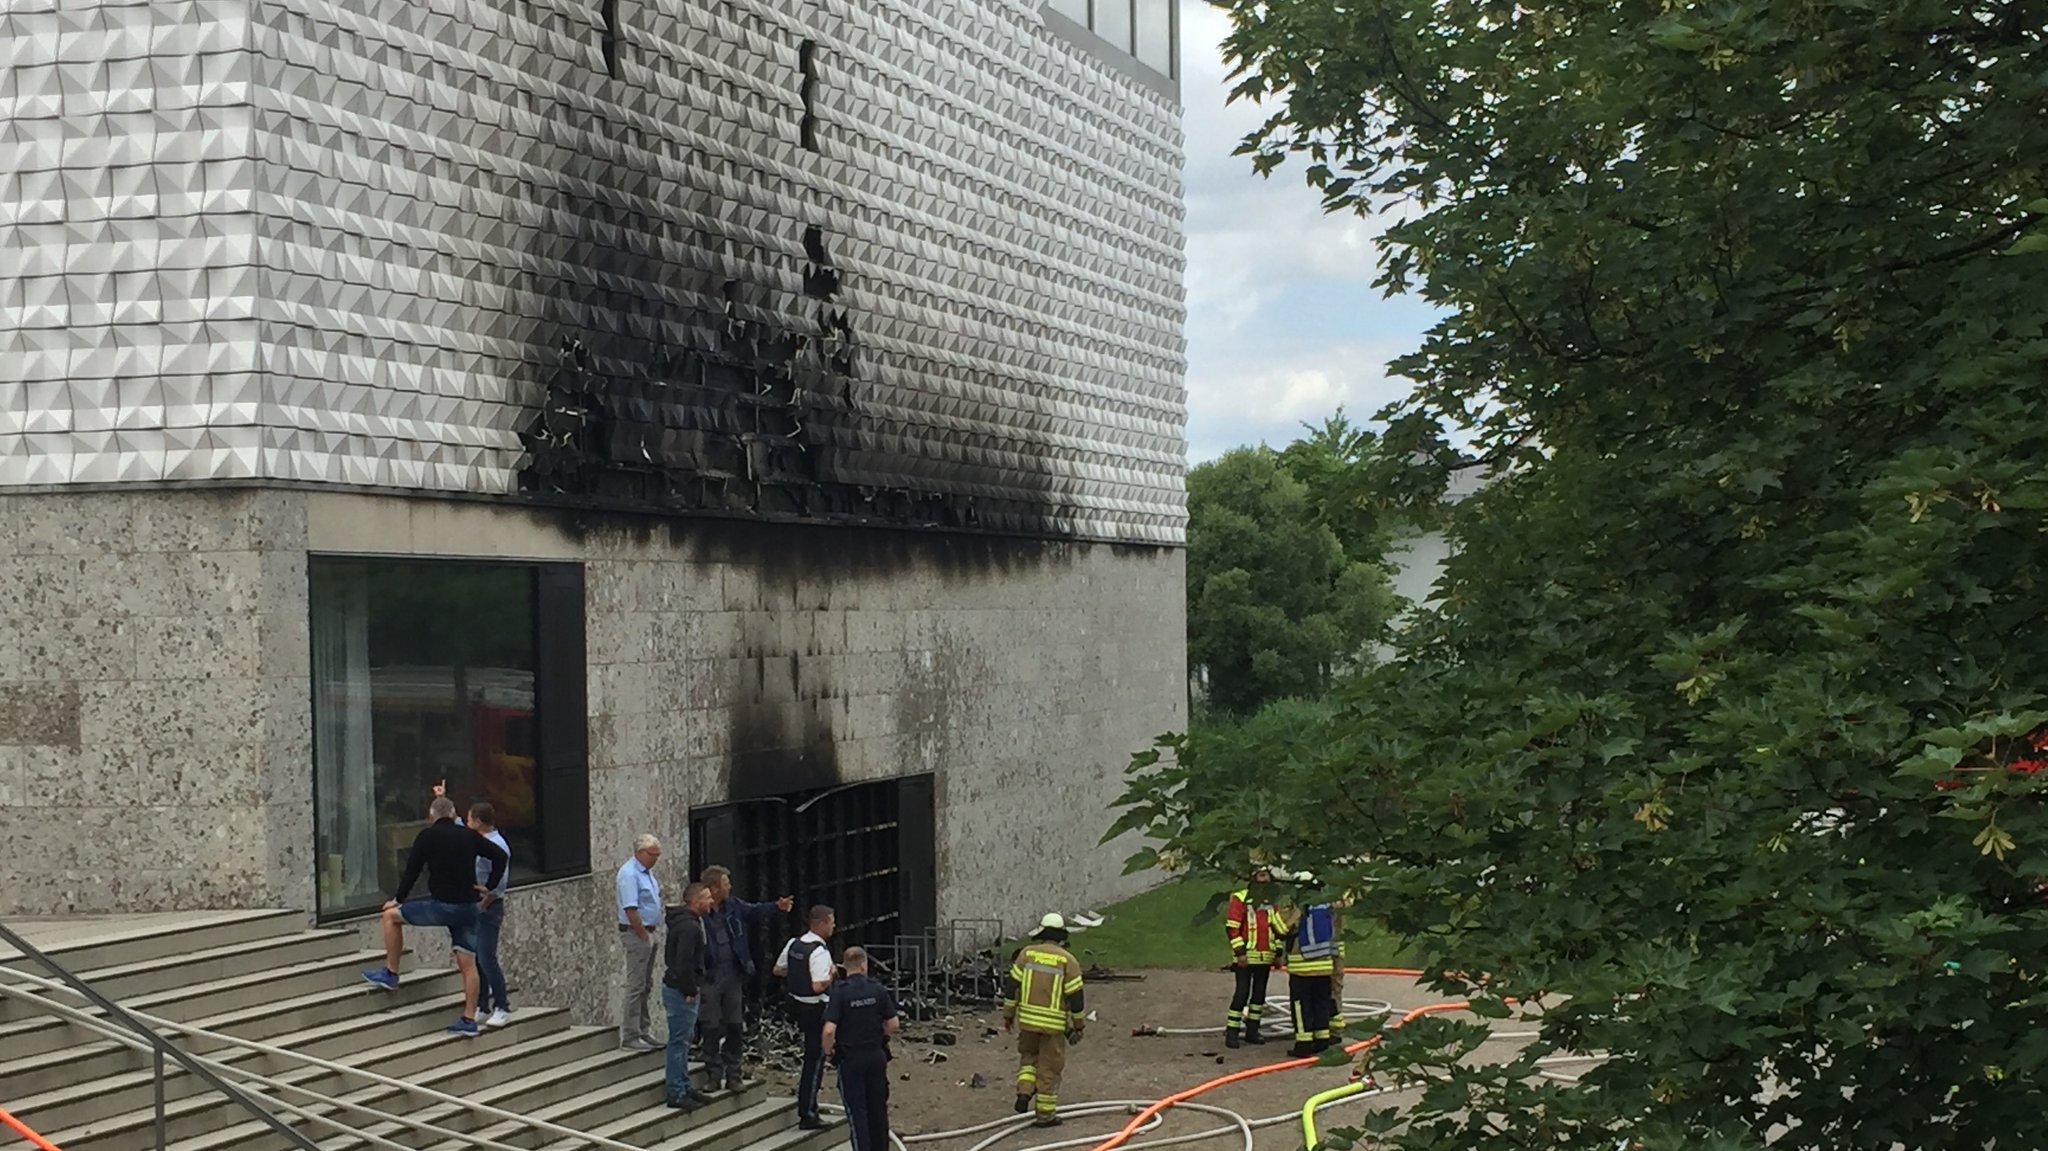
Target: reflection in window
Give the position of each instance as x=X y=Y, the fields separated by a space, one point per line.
x=1113 y=22
x=423 y=671
x=1075 y=10
x=1155 y=35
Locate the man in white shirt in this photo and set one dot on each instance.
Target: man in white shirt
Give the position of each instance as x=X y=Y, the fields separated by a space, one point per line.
x=493 y=1009
x=805 y=968
x=638 y=903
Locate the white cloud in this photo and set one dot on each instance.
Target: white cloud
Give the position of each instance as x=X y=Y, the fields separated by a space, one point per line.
x=1256 y=248
x=1236 y=400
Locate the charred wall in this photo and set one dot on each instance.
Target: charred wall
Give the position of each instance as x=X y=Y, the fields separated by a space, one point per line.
x=783 y=260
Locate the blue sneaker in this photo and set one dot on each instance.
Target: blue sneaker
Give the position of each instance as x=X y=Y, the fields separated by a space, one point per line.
x=466 y=1027
x=388 y=980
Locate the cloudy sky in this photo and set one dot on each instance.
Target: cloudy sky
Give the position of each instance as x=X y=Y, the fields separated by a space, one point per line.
x=1283 y=323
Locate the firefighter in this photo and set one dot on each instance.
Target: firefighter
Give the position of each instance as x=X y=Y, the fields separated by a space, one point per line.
x=1311 y=956
x=1042 y=1001
x=1254 y=931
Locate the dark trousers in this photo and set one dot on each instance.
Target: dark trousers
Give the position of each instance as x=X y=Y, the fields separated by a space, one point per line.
x=810 y=1019
x=864 y=1088
x=490 y=975
x=1248 y=1001
x=722 y=1023
x=1313 y=1008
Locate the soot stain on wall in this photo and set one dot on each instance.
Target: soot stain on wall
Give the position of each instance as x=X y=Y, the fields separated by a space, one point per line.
x=754 y=413
x=783 y=725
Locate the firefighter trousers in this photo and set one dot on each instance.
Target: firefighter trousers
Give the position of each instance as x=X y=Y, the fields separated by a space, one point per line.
x=1309 y=995
x=1041 y=1056
x=1248 y=1001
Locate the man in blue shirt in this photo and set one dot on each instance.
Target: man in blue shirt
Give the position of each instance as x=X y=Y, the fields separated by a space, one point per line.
x=729 y=965
x=638 y=903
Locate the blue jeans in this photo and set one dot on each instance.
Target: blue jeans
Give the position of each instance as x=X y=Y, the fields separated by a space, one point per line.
x=682 y=1024
x=459 y=918
x=490 y=974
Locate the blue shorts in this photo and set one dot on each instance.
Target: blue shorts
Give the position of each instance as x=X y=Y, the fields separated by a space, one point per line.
x=459 y=918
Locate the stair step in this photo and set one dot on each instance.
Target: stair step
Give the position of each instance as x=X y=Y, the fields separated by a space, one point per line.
x=252 y=992
x=445 y=1063
x=296 y=1022
x=384 y=1041
x=757 y=1126
x=795 y=1139
x=616 y=1111
x=126 y=981
x=555 y=1092
x=149 y=938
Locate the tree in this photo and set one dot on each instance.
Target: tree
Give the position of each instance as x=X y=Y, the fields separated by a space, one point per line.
x=1721 y=746
x=1275 y=607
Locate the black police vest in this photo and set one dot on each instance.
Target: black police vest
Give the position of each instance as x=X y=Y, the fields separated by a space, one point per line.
x=797 y=979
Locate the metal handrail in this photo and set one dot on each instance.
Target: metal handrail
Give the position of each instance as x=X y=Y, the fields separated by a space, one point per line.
x=161 y=1047
x=186 y=1029
x=309 y=1111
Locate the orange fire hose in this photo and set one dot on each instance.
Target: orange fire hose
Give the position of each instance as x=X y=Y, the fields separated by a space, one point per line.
x=1138 y=1120
x=8 y=1120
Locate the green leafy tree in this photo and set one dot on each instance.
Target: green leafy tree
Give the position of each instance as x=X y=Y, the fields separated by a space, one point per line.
x=1275 y=607
x=1723 y=747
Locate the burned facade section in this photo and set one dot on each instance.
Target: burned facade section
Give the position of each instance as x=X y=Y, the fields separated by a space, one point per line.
x=758 y=421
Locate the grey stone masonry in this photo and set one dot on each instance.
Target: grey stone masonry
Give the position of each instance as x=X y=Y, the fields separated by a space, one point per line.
x=154 y=716
x=155 y=728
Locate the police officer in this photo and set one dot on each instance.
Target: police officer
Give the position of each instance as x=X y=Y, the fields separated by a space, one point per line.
x=860 y=1015
x=805 y=968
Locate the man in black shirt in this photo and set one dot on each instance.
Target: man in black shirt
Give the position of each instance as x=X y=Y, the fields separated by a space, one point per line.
x=860 y=1015
x=447 y=851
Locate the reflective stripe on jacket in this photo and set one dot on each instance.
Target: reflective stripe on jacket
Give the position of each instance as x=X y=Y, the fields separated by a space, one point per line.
x=1254 y=932
x=1043 y=991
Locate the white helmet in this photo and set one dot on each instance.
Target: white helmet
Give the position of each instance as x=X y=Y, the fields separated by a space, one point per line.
x=1052 y=921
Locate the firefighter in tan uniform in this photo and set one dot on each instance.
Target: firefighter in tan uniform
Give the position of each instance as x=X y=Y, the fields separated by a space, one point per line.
x=1042 y=1000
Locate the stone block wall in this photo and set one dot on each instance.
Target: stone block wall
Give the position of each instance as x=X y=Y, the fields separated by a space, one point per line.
x=155 y=729
x=154 y=715
x=731 y=659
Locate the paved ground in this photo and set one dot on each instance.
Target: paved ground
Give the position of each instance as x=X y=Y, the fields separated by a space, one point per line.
x=1113 y=1064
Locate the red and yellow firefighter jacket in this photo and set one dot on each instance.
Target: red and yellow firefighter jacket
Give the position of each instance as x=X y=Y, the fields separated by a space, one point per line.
x=1254 y=932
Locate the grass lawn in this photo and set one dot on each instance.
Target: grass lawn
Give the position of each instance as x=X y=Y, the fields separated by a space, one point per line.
x=1157 y=929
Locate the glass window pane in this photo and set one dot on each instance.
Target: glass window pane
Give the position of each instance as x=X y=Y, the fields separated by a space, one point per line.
x=423 y=672
x=1113 y=22
x=1155 y=35
x=1075 y=10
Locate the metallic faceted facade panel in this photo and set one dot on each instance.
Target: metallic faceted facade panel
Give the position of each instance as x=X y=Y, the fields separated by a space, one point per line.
x=349 y=241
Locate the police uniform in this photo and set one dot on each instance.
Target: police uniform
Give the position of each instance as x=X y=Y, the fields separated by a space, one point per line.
x=806 y=961
x=858 y=1008
x=1043 y=996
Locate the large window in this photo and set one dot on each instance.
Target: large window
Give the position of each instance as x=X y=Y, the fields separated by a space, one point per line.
x=1139 y=29
x=1155 y=35
x=431 y=671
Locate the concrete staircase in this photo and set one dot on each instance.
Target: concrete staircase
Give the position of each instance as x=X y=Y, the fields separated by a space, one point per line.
x=263 y=975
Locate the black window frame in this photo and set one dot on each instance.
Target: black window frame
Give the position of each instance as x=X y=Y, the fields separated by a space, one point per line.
x=560 y=721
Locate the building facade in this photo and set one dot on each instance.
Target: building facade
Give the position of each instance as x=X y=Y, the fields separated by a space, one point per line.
x=755 y=423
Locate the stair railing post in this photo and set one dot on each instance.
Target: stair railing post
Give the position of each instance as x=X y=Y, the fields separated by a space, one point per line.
x=159 y=1098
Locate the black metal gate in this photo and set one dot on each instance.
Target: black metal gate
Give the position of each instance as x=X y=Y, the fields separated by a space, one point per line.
x=867 y=850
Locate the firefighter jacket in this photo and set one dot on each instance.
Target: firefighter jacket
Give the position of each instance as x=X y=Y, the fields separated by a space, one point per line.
x=1043 y=990
x=1254 y=931
x=1299 y=964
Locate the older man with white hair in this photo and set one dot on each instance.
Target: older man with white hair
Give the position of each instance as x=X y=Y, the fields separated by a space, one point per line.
x=639 y=908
